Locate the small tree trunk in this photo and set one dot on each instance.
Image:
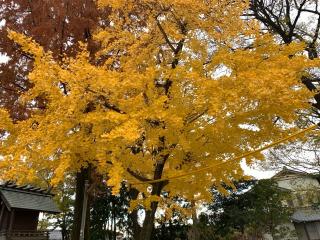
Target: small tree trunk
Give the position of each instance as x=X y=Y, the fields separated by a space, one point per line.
x=63 y=228
x=87 y=226
x=80 y=183
x=114 y=230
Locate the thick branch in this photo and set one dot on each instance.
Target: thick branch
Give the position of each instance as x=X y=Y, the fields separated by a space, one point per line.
x=137 y=176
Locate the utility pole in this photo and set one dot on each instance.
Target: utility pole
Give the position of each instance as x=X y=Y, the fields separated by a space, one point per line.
x=84 y=209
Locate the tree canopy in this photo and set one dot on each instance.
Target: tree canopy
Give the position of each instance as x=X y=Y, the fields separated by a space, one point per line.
x=56 y=25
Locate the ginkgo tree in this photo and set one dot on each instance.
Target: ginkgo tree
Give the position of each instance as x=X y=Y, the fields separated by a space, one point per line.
x=176 y=86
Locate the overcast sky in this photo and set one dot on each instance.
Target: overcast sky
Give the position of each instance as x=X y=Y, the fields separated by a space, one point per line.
x=256 y=172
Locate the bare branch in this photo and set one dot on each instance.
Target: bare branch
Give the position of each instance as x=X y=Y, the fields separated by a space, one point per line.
x=165 y=36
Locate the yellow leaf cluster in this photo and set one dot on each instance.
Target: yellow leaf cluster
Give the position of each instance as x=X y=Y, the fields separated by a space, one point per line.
x=180 y=90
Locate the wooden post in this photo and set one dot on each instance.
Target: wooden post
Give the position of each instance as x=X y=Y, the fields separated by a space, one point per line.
x=1 y=214
x=11 y=224
x=84 y=209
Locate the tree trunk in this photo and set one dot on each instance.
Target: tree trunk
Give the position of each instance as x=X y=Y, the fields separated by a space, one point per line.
x=148 y=224
x=81 y=177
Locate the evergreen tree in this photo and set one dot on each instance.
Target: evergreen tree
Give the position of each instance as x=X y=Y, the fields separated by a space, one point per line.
x=109 y=214
x=257 y=211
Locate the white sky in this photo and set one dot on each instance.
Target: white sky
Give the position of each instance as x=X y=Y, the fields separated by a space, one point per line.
x=256 y=172
x=3 y=58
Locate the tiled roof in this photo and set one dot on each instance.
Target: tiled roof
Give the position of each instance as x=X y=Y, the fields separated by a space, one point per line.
x=306 y=215
x=27 y=197
x=286 y=171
